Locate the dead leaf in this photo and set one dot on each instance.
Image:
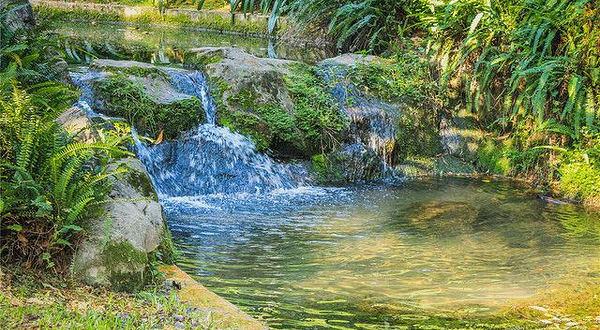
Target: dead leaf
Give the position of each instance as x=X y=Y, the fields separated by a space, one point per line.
x=35 y=301
x=160 y=137
x=22 y=239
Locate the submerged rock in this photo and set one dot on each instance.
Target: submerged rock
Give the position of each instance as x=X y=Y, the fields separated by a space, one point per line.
x=121 y=241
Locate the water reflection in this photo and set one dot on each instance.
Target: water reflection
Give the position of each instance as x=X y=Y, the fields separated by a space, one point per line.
x=360 y=258
x=166 y=45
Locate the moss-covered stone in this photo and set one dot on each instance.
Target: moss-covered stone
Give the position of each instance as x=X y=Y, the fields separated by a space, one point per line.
x=353 y=163
x=282 y=106
x=123 y=264
x=141 y=182
x=325 y=169
x=128 y=96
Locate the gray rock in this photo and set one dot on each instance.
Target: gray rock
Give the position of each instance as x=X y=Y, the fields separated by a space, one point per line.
x=245 y=72
x=76 y=121
x=351 y=60
x=19 y=15
x=116 y=251
x=119 y=242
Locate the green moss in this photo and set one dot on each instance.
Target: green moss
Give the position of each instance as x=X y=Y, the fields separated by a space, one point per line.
x=327 y=168
x=318 y=118
x=121 y=260
x=492 y=156
x=137 y=71
x=267 y=124
x=200 y=61
x=141 y=182
x=247 y=124
x=128 y=99
x=405 y=78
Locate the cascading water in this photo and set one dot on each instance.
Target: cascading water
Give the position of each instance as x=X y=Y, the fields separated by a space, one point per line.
x=209 y=159
x=373 y=121
x=206 y=160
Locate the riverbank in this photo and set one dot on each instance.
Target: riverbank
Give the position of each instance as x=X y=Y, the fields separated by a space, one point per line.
x=30 y=300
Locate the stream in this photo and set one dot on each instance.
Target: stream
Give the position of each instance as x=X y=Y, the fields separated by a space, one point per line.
x=368 y=256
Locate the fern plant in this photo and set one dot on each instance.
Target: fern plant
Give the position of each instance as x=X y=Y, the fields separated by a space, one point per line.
x=50 y=183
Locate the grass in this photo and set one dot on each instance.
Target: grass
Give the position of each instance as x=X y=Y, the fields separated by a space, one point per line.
x=30 y=300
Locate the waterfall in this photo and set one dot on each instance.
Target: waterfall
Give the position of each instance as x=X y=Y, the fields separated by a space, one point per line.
x=194 y=83
x=373 y=122
x=208 y=159
x=211 y=160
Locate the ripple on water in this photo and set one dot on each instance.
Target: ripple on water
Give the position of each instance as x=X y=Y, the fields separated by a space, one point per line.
x=363 y=257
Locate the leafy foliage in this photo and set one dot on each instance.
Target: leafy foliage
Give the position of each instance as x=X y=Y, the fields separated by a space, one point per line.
x=317 y=116
x=356 y=25
x=529 y=61
x=49 y=181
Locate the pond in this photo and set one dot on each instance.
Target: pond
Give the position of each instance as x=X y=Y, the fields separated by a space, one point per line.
x=371 y=256
x=162 y=44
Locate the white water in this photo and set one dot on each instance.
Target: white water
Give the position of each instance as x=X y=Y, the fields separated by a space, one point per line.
x=207 y=159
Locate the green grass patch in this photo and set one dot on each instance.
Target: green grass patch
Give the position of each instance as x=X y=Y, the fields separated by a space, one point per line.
x=38 y=300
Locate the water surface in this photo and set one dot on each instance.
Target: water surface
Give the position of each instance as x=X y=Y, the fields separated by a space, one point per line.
x=375 y=256
x=164 y=44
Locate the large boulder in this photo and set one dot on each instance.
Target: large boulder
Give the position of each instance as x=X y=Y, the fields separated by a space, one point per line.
x=131 y=230
x=145 y=96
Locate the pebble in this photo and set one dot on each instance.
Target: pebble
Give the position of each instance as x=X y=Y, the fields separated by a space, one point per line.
x=538 y=308
x=571 y=324
x=179 y=325
x=547 y=322
x=178 y=318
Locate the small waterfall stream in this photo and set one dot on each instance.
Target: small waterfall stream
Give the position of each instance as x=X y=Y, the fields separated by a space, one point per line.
x=207 y=159
x=373 y=122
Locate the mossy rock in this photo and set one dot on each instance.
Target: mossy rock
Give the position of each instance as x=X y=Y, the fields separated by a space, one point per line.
x=283 y=106
x=125 y=266
x=143 y=95
x=129 y=237
x=353 y=163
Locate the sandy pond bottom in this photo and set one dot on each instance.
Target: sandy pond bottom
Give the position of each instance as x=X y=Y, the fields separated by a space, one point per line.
x=383 y=257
